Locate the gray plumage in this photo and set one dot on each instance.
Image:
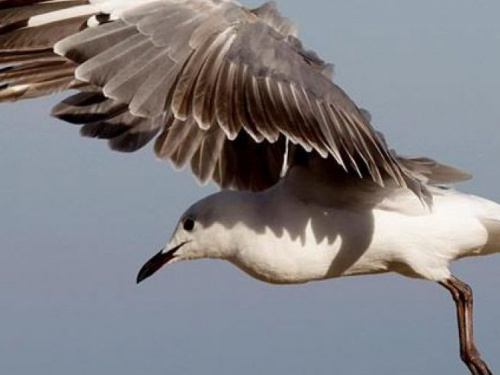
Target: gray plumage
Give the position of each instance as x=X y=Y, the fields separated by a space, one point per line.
x=221 y=86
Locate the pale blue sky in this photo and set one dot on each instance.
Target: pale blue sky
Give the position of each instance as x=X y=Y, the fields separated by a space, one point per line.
x=77 y=221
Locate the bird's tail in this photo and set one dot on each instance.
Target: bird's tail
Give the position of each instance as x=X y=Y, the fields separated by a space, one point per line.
x=493 y=228
x=488 y=213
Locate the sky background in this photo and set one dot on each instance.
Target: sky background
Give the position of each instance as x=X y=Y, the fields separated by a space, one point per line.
x=77 y=221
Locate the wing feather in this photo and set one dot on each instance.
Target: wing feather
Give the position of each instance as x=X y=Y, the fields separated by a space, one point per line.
x=225 y=86
x=224 y=110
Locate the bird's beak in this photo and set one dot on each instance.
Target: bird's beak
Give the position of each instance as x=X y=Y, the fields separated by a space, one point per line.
x=157 y=262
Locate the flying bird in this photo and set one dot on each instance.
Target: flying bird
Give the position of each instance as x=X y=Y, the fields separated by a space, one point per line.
x=309 y=189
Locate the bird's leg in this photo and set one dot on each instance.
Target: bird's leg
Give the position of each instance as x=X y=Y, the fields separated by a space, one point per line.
x=462 y=295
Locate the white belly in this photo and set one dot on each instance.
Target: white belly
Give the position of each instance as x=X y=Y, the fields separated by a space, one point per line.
x=324 y=243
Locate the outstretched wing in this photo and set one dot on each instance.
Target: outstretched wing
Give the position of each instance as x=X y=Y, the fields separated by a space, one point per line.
x=221 y=84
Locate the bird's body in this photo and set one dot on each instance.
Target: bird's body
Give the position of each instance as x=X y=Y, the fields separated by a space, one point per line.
x=232 y=92
x=308 y=228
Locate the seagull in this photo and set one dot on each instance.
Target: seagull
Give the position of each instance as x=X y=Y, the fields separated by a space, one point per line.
x=309 y=189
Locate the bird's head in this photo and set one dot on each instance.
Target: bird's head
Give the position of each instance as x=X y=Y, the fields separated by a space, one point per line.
x=200 y=233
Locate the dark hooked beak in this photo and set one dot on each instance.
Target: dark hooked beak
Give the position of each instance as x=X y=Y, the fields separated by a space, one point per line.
x=157 y=262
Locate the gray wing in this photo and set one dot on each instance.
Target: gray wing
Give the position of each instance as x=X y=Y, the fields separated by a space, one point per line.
x=211 y=77
x=238 y=164
x=28 y=66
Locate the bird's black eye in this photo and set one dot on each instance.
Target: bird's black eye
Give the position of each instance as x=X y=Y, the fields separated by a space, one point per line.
x=188 y=224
